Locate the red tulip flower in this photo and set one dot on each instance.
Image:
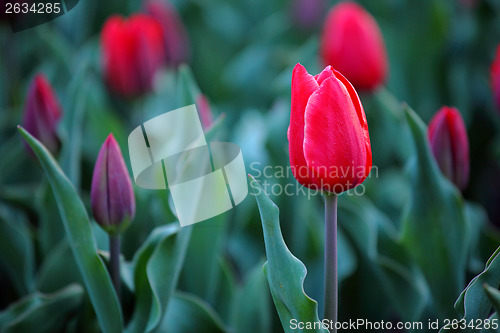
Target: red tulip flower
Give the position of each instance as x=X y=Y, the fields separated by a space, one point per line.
x=328 y=135
x=42 y=113
x=450 y=145
x=352 y=44
x=495 y=78
x=132 y=53
x=174 y=34
x=111 y=193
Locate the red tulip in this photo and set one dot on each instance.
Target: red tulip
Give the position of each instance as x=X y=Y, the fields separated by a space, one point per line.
x=450 y=145
x=132 y=53
x=352 y=44
x=111 y=193
x=174 y=34
x=495 y=77
x=42 y=113
x=328 y=135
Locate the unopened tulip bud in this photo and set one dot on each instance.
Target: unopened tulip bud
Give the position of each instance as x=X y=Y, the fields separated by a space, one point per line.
x=42 y=113
x=450 y=145
x=352 y=44
x=174 y=33
x=111 y=194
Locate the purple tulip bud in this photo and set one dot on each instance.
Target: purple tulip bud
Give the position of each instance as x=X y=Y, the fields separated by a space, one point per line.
x=174 y=33
x=111 y=194
x=204 y=110
x=42 y=113
x=450 y=145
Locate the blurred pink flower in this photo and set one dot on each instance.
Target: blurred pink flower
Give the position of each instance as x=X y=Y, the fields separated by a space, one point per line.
x=174 y=33
x=42 y=113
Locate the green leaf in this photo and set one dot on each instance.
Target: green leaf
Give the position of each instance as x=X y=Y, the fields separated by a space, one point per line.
x=285 y=273
x=434 y=226
x=58 y=269
x=41 y=312
x=493 y=295
x=50 y=231
x=157 y=266
x=386 y=272
x=473 y=303
x=252 y=307
x=81 y=240
x=187 y=89
x=188 y=313
x=201 y=259
x=16 y=249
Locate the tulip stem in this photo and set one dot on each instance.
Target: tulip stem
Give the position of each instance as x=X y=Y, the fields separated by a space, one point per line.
x=331 y=282
x=114 y=262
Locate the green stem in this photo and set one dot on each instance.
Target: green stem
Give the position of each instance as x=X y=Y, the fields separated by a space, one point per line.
x=114 y=262
x=331 y=280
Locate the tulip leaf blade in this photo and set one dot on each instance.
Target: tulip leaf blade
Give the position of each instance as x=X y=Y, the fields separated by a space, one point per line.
x=252 y=308
x=385 y=264
x=188 y=313
x=156 y=266
x=493 y=295
x=17 y=255
x=434 y=226
x=81 y=240
x=44 y=313
x=473 y=302
x=285 y=273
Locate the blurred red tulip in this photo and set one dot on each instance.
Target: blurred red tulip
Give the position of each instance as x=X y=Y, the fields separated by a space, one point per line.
x=328 y=136
x=352 y=44
x=111 y=193
x=174 y=34
x=132 y=53
x=42 y=113
x=495 y=77
x=450 y=145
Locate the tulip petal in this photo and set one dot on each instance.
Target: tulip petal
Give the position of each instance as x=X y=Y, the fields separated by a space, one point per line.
x=112 y=196
x=121 y=202
x=303 y=85
x=335 y=143
x=325 y=74
x=99 y=188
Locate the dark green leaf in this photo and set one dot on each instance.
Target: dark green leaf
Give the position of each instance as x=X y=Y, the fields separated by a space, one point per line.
x=188 y=314
x=157 y=266
x=385 y=270
x=493 y=295
x=434 y=226
x=285 y=273
x=16 y=249
x=41 y=312
x=252 y=305
x=81 y=240
x=473 y=302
